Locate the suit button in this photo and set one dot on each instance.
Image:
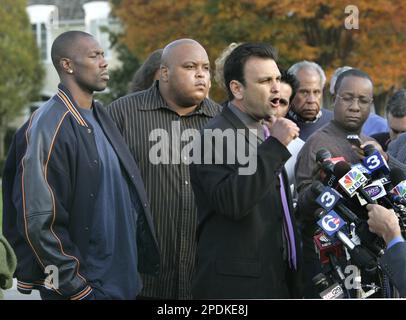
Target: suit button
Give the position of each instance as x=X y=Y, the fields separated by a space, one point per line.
x=145 y=205
x=91 y=195
x=95 y=162
x=89 y=130
x=86 y=228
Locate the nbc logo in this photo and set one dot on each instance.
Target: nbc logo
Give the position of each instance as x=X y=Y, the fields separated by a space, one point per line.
x=400 y=190
x=352 y=181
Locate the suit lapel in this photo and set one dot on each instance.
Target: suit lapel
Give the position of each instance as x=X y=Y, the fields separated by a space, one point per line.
x=238 y=124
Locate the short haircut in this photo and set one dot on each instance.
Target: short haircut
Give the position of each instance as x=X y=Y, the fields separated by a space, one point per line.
x=144 y=76
x=335 y=75
x=350 y=73
x=292 y=81
x=235 y=62
x=397 y=104
x=294 y=69
x=64 y=46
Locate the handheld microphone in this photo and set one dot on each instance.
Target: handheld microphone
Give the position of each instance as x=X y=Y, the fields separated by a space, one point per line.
x=332 y=223
x=375 y=163
x=353 y=181
x=396 y=187
x=322 y=155
x=324 y=247
x=326 y=162
x=327 y=291
x=329 y=199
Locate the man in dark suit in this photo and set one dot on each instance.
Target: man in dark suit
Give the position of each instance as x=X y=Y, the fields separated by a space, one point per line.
x=247 y=241
x=385 y=223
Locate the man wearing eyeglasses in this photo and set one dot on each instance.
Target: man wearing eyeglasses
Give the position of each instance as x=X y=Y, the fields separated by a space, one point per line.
x=352 y=103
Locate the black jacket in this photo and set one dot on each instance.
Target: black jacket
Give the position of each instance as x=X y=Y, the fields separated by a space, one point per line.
x=50 y=183
x=393 y=264
x=240 y=241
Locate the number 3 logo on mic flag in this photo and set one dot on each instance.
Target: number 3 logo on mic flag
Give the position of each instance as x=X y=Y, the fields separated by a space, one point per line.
x=328 y=198
x=331 y=223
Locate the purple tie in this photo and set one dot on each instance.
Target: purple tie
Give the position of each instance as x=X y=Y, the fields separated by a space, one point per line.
x=287 y=226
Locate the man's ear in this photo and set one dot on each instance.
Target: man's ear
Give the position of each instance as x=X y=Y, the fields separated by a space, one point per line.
x=66 y=65
x=164 y=73
x=237 y=89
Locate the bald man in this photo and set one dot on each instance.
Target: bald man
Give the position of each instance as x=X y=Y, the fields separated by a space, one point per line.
x=72 y=192
x=156 y=124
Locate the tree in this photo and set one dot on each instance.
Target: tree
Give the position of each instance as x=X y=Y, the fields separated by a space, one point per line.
x=120 y=78
x=21 y=71
x=300 y=29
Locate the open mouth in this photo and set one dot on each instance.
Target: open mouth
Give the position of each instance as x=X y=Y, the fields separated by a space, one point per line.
x=275 y=102
x=105 y=76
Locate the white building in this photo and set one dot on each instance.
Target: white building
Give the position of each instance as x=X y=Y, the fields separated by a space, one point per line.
x=47 y=24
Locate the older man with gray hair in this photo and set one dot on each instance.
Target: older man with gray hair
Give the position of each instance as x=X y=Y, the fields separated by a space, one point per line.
x=306 y=105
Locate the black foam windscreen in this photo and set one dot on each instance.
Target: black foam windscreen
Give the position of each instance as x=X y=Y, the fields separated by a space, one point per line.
x=322 y=155
x=397 y=175
x=341 y=169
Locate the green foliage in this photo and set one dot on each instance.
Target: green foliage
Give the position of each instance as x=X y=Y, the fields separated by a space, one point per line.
x=21 y=72
x=120 y=78
x=300 y=29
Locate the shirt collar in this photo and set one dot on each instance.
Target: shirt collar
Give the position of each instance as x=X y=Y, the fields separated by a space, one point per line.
x=295 y=117
x=248 y=121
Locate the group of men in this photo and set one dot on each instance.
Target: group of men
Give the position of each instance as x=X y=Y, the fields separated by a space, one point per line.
x=86 y=190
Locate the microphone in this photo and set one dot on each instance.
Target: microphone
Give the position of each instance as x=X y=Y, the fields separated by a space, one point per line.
x=322 y=155
x=353 y=181
x=397 y=175
x=325 y=247
x=332 y=223
x=395 y=188
x=327 y=162
x=375 y=163
x=329 y=199
x=335 y=291
x=398 y=193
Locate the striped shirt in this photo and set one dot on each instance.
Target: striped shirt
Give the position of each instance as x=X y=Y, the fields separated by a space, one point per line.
x=138 y=116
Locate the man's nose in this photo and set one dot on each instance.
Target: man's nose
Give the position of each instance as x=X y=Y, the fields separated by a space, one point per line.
x=103 y=62
x=201 y=72
x=312 y=98
x=276 y=87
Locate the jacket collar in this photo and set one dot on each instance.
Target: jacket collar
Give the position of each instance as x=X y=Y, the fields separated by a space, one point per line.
x=237 y=123
x=67 y=100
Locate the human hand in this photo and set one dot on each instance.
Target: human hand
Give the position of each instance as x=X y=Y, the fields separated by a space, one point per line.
x=283 y=129
x=383 y=222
